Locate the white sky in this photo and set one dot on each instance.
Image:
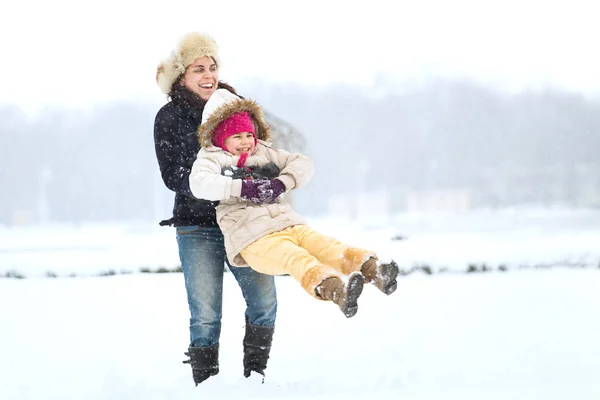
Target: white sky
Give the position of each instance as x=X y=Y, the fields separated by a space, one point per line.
x=79 y=53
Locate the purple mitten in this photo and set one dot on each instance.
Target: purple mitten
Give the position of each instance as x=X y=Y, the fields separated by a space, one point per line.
x=262 y=190
x=278 y=188
x=250 y=188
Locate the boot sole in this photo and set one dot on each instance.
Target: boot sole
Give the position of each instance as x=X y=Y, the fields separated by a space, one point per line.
x=389 y=273
x=354 y=288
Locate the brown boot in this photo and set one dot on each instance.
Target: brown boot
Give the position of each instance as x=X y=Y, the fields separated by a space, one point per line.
x=345 y=296
x=382 y=275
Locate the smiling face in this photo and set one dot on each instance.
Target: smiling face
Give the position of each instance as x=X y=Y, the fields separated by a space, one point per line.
x=201 y=77
x=239 y=143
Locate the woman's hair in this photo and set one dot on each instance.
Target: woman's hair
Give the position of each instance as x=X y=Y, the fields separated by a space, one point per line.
x=181 y=94
x=224 y=85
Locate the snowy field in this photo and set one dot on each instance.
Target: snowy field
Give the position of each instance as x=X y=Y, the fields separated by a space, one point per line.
x=522 y=334
x=452 y=241
x=516 y=335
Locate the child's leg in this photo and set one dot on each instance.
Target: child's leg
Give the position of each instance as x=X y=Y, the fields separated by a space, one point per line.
x=279 y=253
x=331 y=251
x=347 y=259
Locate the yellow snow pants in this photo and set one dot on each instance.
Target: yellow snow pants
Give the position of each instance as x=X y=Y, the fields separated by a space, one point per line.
x=305 y=254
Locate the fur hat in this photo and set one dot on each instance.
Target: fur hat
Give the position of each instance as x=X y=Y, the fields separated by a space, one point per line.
x=192 y=47
x=222 y=106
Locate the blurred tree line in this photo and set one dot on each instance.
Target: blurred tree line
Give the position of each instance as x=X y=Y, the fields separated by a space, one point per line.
x=531 y=147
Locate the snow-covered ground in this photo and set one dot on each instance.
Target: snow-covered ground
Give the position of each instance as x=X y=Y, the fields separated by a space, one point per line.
x=514 y=238
x=522 y=334
x=516 y=335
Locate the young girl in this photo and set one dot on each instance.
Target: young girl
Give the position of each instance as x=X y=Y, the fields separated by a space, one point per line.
x=237 y=167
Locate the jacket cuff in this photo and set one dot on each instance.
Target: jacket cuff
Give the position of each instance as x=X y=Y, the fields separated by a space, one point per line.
x=236 y=188
x=288 y=181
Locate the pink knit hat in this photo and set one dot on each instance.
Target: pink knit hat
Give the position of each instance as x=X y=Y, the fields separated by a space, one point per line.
x=238 y=122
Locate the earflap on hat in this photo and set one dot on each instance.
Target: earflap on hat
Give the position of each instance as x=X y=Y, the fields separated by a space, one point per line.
x=192 y=47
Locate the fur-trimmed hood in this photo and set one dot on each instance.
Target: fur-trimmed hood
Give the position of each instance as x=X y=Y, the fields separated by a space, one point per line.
x=192 y=47
x=221 y=105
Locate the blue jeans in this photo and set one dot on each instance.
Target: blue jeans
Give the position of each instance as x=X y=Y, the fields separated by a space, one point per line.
x=202 y=255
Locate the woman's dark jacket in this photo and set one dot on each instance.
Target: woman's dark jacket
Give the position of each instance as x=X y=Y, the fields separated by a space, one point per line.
x=176 y=144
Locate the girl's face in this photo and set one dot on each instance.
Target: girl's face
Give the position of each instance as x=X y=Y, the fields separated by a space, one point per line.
x=239 y=143
x=202 y=77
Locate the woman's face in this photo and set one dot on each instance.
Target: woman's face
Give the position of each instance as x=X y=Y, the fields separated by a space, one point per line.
x=202 y=77
x=239 y=143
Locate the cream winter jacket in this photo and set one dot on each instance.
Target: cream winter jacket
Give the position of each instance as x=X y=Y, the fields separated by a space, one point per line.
x=242 y=221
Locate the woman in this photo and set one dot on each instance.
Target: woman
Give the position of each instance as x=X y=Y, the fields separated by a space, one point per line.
x=189 y=77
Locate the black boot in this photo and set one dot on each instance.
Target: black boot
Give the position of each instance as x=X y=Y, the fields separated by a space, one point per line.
x=204 y=362
x=257 y=346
